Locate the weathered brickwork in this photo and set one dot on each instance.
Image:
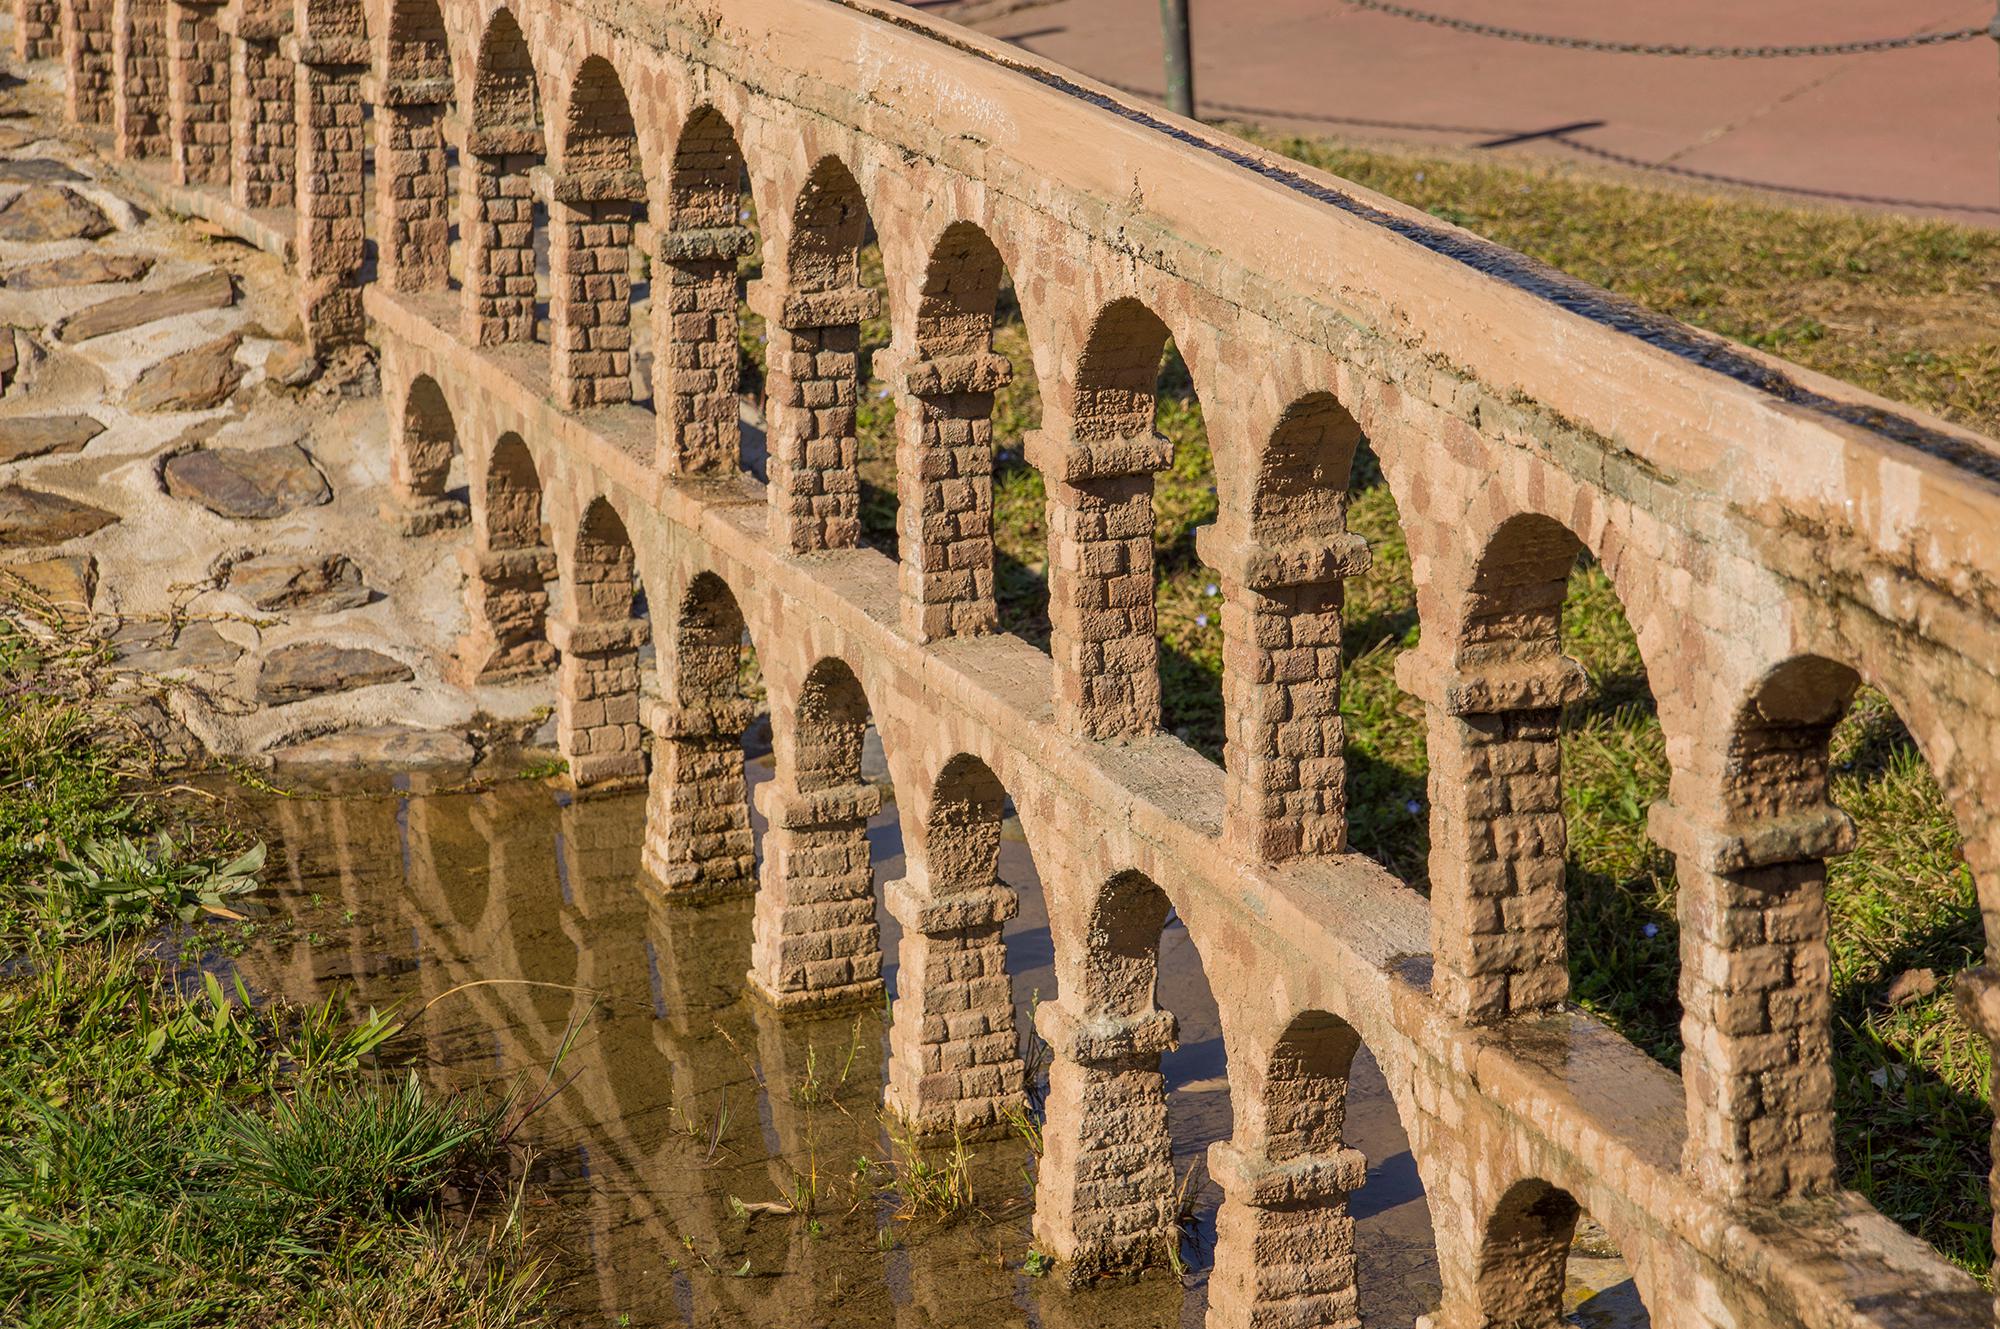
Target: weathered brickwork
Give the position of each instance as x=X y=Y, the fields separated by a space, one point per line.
x=38 y=31
x=88 y=41
x=139 y=84
x=1776 y=541
x=264 y=83
x=198 y=61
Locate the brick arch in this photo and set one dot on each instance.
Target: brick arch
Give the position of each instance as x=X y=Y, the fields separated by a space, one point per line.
x=419 y=47
x=507 y=509
x=597 y=712
x=955 y=1059
x=1304 y=473
x=1284 y=1238
x=696 y=375
x=960 y=292
x=420 y=460
x=830 y=718
x=1520 y=1272
x=507 y=569
x=599 y=134
x=1118 y=372
x=505 y=95
x=829 y=222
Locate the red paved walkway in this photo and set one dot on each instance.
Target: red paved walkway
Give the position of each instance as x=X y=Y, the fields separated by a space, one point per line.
x=1915 y=130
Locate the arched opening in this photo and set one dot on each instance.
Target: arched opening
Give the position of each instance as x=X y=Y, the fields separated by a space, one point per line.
x=507 y=596
x=504 y=227
x=1543 y=1261
x=1848 y=846
x=1282 y=574
x=598 y=200
x=972 y=533
x=1347 y=1226
x=832 y=465
x=1138 y=627
x=426 y=469
x=604 y=627
x=818 y=942
x=956 y=1061
x=700 y=842
x=1576 y=756
x=414 y=163
x=709 y=347
x=1137 y=1073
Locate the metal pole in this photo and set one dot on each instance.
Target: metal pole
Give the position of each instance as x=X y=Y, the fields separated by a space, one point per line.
x=1180 y=61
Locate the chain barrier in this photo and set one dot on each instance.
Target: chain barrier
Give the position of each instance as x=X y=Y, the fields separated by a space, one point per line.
x=1478 y=29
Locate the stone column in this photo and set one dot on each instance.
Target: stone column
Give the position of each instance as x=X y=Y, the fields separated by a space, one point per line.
x=88 y=43
x=412 y=203
x=507 y=602
x=699 y=844
x=329 y=185
x=597 y=700
x=590 y=287
x=1756 y=997
x=1104 y=1189
x=37 y=29
x=815 y=941
x=139 y=78
x=810 y=381
x=954 y=1057
x=497 y=226
x=1284 y=1242
x=1285 y=746
x=263 y=130
x=198 y=60
x=944 y=463
x=695 y=349
x=1101 y=580
x=1498 y=910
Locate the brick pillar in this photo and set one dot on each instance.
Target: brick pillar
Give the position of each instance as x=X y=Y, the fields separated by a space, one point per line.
x=1284 y=1241
x=597 y=700
x=88 y=41
x=699 y=844
x=198 y=60
x=811 y=387
x=37 y=29
x=1756 y=997
x=695 y=350
x=507 y=603
x=139 y=78
x=815 y=941
x=497 y=226
x=944 y=463
x=1281 y=616
x=590 y=287
x=412 y=202
x=330 y=248
x=1101 y=580
x=954 y=1057
x=1104 y=1189
x=1498 y=910
x=262 y=133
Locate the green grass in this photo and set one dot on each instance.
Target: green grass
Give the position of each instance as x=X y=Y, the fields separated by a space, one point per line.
x=171 y=1151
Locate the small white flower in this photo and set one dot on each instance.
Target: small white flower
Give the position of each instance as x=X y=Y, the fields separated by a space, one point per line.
x=1211 y=589
x=1201 y=620
x=880 y=393
x=1651 y=929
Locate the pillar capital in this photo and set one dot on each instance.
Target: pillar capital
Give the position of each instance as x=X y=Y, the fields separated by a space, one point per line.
x=919 y=908
x=572 y=638
x=504 y=141
x=1070 y=460
x=597 y=186
x=809 y=809
x=1544 y=682
x=719 y=716
x=507 y=565
x=1294 y=1183
x=939 y=376
x=341 y=53
x=1741 y=846
x=799 y=310
x=1106 y=1042
x=1245 y=559
x=413 y=92
x=701 y=244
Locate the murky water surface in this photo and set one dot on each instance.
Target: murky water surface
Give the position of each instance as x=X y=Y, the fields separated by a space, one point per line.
x=709 y=1162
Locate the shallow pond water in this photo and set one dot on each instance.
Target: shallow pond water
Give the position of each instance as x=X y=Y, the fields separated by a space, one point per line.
x=707 y=1161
